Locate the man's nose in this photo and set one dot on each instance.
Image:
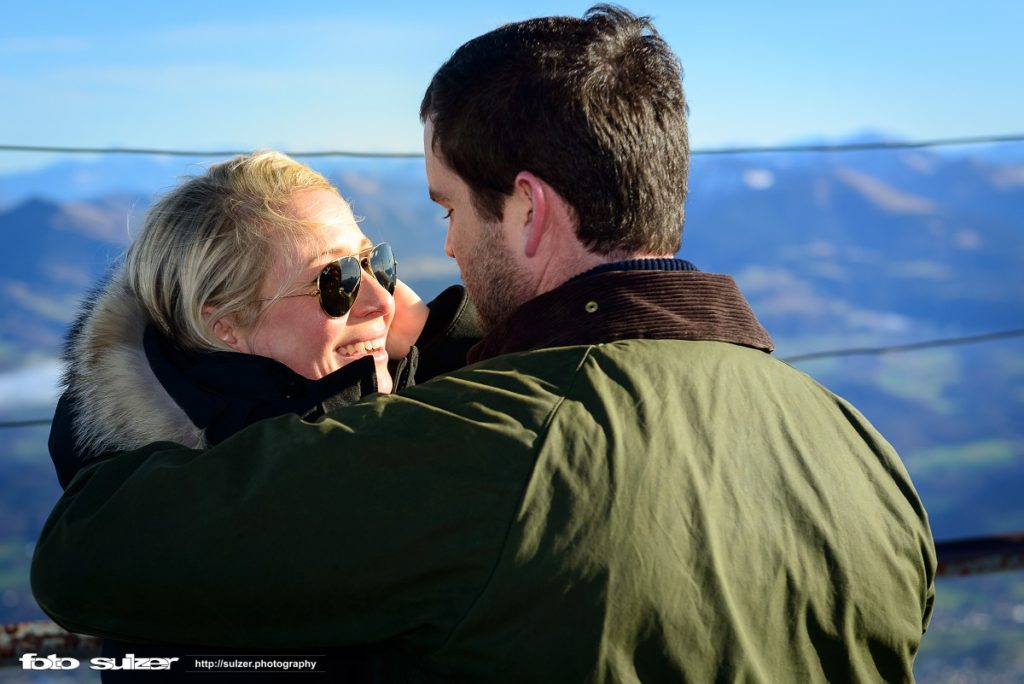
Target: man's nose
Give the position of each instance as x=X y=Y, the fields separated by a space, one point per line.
x=448 y=244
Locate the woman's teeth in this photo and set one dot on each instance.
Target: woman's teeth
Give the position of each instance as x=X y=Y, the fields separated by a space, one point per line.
x=362 y=347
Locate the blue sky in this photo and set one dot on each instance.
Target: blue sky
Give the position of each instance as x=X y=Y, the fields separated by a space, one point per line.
x=337 y=75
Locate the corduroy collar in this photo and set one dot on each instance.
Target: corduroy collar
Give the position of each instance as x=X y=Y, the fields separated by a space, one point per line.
x=623 y=305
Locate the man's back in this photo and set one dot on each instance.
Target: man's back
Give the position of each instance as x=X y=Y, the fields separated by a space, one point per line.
x=699 y=511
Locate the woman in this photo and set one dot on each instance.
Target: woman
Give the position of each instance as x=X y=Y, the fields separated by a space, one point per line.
x=251 y=292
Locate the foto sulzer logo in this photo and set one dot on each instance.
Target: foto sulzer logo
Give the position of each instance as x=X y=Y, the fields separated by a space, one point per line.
x=34 y=661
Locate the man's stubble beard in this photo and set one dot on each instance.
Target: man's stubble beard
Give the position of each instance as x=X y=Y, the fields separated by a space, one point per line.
x=496 y=284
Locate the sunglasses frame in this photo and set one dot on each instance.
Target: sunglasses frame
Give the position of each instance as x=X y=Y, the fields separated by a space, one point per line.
x=364 y=262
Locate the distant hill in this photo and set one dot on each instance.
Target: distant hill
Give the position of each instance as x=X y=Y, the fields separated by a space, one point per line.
x=52 y=253
x=903 y=245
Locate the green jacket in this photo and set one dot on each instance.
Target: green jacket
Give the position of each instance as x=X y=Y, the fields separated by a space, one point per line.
x=625 y=487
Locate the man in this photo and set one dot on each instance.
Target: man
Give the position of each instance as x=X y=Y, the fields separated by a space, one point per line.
x=623 y=485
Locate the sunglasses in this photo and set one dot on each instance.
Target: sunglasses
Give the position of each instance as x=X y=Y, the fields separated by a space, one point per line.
x=338 y=282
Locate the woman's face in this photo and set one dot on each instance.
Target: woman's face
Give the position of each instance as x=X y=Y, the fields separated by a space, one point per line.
x=295 y=330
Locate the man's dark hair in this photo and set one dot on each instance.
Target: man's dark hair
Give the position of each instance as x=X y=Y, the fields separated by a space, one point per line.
x=592 y=106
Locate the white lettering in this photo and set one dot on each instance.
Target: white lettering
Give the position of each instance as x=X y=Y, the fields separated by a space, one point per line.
x=33 y=661
x=130 y=662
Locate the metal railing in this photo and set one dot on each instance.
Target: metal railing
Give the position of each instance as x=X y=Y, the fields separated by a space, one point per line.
x=980 y=555
x=44 y=637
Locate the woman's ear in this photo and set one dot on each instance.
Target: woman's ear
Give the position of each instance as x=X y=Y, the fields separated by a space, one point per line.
x=226 y=330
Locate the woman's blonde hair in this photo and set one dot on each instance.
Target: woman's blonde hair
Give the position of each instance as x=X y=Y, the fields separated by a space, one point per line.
x=208 y=243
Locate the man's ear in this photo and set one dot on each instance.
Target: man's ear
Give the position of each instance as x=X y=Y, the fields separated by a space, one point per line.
x=536 y=193
x=226 y=330
x=548 y=214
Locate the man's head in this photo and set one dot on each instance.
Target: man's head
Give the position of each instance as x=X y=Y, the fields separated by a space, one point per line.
x=588 y=113
x=592 y=106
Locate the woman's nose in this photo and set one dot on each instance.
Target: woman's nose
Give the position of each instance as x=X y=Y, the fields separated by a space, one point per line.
x=373 y=300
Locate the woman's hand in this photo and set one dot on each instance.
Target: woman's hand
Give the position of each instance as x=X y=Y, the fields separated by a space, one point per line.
x=410 y=317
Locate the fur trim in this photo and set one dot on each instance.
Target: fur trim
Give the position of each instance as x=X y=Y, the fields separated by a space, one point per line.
x=119 y=403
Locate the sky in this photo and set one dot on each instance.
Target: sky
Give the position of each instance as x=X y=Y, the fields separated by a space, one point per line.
x=339 y=75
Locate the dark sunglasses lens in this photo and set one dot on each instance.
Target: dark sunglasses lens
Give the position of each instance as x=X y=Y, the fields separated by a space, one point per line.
x=339 y=285
x=384 y=266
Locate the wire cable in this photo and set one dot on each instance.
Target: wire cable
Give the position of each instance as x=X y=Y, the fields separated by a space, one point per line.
x=914 y=346
x=25 y=423
x=855 y=351
x=866 y=146
x=200 y=153
x=717 y=151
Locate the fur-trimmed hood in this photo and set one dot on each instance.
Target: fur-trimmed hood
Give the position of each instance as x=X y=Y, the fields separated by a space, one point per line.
x=119 y=404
